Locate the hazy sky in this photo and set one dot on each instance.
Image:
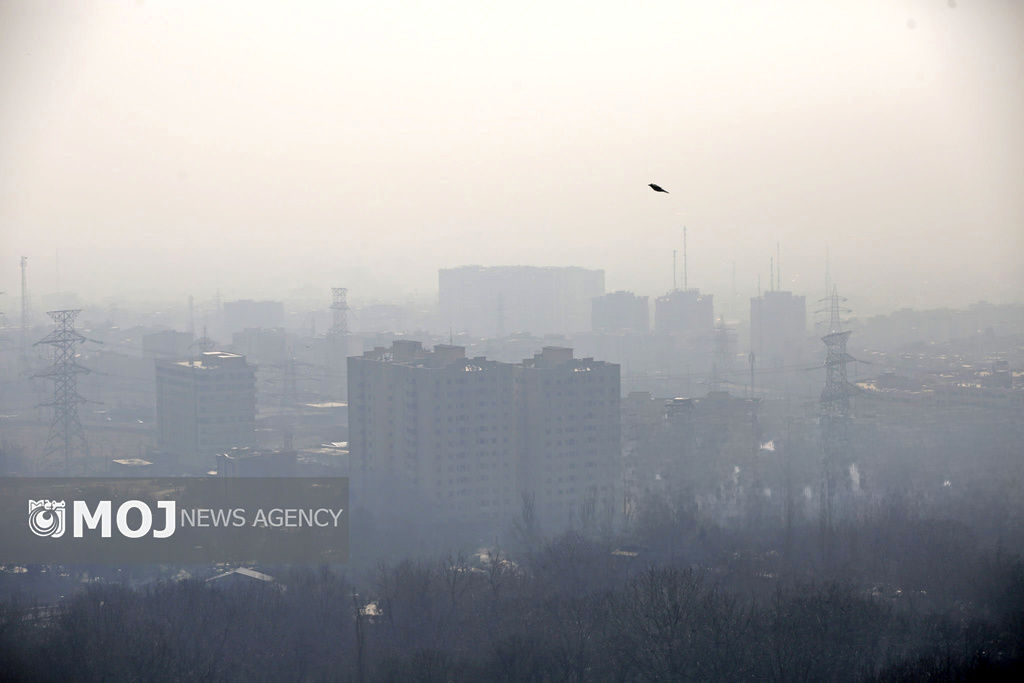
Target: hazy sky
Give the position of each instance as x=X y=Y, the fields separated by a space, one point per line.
x=159 y=149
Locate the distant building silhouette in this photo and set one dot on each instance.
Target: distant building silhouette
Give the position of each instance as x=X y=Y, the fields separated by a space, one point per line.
x=685 y=311
x=262 y=345
x=204 y=406
x=620 y=312
x=778 y=328
x=238 y=315
x=705 y=449
x=494 y=301
x=166 y=344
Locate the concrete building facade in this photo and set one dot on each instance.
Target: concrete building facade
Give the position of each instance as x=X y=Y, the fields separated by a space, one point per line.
x=469 y=438
x=571 y=436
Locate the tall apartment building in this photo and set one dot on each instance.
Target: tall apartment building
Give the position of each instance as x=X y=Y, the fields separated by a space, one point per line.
x=204 y=406
x=467 y=438
x=620 y=312
x=434 y=427
x=571 y=435
x=496 y=301
x=778 y=327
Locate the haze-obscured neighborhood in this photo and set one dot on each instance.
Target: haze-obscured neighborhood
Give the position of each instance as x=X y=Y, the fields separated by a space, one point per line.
x=766 y=425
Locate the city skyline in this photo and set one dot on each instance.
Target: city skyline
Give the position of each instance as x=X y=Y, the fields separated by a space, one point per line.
x=647 y=340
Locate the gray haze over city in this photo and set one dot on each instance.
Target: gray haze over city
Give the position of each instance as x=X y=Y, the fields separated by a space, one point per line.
x=646 y=341
x=153 y=150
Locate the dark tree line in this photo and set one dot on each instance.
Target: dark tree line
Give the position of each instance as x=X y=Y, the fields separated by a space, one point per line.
x=691 y=602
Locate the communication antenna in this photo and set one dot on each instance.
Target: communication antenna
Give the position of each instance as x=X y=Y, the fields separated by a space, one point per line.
x=204 y=343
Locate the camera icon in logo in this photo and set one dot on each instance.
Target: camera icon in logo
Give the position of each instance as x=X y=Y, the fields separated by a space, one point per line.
x=46 y=517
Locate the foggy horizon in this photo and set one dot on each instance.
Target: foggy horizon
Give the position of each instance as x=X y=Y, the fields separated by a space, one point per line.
x=152 y=151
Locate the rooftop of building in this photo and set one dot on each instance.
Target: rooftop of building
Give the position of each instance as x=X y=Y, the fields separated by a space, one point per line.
x=691 y=294
x=523 y=269
x=622 y=294
x=208 y=360
x=412 y=353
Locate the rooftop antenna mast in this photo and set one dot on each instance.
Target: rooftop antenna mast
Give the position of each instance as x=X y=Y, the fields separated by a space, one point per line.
x=674 y=286
x=204 y=343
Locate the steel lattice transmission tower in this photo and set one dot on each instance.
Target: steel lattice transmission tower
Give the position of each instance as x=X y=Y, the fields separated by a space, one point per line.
x=835 y=411
x=339 y=304
x=835 y=397
x=336 y=348
x=66 y=428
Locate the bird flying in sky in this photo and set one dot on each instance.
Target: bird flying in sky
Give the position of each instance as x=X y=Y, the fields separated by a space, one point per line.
x=657 y=188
